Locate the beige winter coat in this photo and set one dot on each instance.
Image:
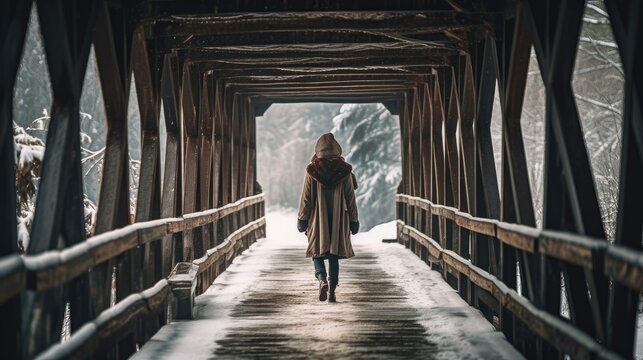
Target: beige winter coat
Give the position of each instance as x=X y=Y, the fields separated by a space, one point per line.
x=323 y=239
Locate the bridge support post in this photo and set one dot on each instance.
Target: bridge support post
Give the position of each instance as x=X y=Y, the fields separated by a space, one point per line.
x=59 y=206
x=570 y=199
x=14 y=21
x=623 y=302
x=516 y=205
x=183 y=283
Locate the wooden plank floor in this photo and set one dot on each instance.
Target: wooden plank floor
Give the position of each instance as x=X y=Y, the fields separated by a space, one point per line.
x=390 y=305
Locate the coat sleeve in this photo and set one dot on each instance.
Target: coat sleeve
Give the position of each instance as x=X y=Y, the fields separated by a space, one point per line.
x=349 y=195
x=305 y=205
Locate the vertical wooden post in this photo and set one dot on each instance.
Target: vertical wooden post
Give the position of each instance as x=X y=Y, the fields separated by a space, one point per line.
x=206 y=135
x=234 y=124
x=467 y=162
x=452 y=158
x=242 y=154
x=402 y=208
x=147 y=83
x=512 y=59
x=427 y=153
x=14 y=19
x=570 y=201
x=484 y=249
x=190 y=96
x=488 y=196
x=171 y=195
x=147 y=260
x=625 y=19
x=438 y=159
x=217 y=172
x=414 y=160
x=67 y=34
x=113 y=206
x=226 y=151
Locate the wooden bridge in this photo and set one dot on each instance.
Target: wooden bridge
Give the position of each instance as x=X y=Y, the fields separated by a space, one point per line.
x=216 y=65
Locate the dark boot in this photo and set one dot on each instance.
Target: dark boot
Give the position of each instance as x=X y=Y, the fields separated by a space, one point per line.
x=323 y=287
x=331 y=291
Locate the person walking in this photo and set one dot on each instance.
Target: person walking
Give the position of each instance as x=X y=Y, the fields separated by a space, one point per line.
x=328 y=212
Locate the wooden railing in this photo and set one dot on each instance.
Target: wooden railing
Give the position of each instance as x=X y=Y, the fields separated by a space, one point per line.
x=417 y=218
x=138 y=314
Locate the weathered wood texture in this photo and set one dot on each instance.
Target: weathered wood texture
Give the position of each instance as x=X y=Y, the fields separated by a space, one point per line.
x=51 y=269
x=464 y=203
x=573 y=249
x=217 y=65
x=14 y=17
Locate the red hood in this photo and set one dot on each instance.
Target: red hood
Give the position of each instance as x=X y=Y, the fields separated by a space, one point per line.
x=328 y=171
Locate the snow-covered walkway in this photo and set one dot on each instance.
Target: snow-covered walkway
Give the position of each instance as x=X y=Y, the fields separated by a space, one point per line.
x=390 y=305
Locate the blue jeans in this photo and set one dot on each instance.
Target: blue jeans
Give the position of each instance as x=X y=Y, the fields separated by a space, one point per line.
x=333 y=267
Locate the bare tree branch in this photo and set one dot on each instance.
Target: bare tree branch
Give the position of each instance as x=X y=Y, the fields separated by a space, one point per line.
x=599 y=104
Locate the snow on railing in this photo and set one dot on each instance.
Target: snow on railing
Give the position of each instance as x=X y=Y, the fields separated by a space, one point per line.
x=616 y=262
x=44 y=271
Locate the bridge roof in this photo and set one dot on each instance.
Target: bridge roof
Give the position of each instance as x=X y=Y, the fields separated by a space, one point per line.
x=344 y=51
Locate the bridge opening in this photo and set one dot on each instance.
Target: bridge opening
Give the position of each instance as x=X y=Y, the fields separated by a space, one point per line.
x=522 y=223
x=370 y=138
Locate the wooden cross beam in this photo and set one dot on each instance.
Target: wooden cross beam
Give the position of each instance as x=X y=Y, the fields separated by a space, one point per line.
x=309 y=36
x=391 y=21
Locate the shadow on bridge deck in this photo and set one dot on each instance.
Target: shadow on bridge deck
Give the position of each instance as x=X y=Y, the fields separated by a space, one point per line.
x=389 y=305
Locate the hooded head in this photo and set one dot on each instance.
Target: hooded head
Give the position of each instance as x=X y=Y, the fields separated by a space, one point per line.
x=327 y=166
x=327 y=147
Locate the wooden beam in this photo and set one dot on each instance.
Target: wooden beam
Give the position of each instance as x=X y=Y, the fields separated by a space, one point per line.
x=190 y=99
x=268 y=73
x=206 y=138
x=327 y=79
x=14 y=20
x=354 y=98
x=407 y=21
x=172 y=175
x=570 y=202
x=439 y=167
x=622 y=312
x=259 y=53
x=59 y=213
x=331 y=63
x=113 y=205
x=488 y=196
x=310 y=37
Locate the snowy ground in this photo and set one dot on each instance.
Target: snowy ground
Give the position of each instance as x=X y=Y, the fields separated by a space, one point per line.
x=389 y=301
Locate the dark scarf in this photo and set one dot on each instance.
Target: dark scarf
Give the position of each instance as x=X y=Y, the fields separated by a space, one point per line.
x=328 y=171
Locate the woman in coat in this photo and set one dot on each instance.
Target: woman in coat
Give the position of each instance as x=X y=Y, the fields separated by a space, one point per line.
x=328 y=213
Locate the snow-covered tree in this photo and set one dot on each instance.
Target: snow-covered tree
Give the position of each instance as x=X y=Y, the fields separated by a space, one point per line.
x=30 y=151
x=598 y=84
x=29 y=154
x=286 y=136
x=371 y=139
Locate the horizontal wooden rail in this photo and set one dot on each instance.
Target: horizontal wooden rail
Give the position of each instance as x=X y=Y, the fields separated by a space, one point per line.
x=112 y=323
x=43 y=271
x=109 y=326
x=213 y=255
x=558 y=332
x=620 y=264
x=518 y=236
x=194 y=220
x=625 y=266
x=37 y=273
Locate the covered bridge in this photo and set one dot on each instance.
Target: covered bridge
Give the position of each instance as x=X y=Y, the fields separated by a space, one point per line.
x=217 y=65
